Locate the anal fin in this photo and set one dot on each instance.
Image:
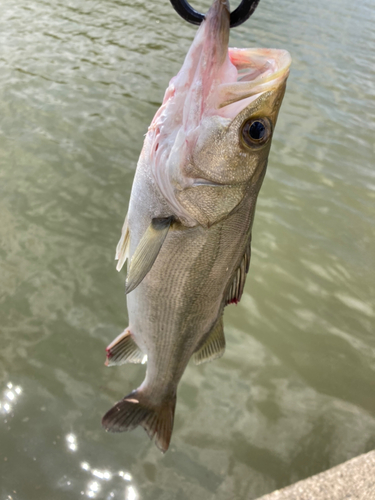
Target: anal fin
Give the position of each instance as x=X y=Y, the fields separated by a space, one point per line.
x=124 y=350
x=146 y=252
x=214 y=346
x=122 y=249
x=239 y=277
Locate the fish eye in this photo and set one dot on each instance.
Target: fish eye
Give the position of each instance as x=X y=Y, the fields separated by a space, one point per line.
x=256 y=131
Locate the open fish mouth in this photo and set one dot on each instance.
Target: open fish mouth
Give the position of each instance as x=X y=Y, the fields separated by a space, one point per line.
x=258 y=71
x=218 y=80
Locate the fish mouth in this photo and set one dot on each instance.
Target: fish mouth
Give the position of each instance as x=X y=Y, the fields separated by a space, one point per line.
x=258 y=71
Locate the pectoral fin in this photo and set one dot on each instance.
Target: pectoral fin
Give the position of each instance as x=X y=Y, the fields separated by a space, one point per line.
x=235 y=291
x=122 y=249
x=147 y=251
x=214 y=346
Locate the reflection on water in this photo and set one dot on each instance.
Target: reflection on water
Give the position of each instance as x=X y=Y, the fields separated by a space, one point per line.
x=94 y=487
x=96 y=482
x=294 y=393
x=10 y=398
x=71 y=441
x=101 y=483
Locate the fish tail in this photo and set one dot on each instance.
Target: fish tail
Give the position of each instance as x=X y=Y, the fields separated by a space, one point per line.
x=136 y=409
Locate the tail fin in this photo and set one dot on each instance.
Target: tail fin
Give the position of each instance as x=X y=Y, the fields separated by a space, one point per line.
x=135 y=409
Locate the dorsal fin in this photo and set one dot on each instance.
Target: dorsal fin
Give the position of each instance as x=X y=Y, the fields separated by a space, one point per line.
x=146 y=252
x=239 y=277
x=214 y=346
x=122 y=249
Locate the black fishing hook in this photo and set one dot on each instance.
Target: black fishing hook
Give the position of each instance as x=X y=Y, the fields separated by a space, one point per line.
x=237 y=17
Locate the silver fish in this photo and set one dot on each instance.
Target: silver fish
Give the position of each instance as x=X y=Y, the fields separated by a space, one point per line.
x=187 y=235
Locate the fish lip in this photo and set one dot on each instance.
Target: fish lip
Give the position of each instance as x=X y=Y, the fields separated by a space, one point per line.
x=271 y=69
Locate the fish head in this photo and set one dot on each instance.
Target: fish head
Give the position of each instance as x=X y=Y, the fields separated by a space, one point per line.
x=212 y=135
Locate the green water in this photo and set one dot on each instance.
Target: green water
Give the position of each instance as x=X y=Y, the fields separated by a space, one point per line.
x=295 y=392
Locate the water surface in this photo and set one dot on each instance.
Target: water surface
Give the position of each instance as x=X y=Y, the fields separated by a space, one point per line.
x=294 y=393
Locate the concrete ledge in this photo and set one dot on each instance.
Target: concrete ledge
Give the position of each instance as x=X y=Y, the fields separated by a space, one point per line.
x=352 y=480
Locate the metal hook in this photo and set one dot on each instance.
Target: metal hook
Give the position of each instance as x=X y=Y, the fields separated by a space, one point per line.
x=237 y=17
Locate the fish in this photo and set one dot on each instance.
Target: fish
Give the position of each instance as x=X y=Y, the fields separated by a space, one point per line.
x=187 y=234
